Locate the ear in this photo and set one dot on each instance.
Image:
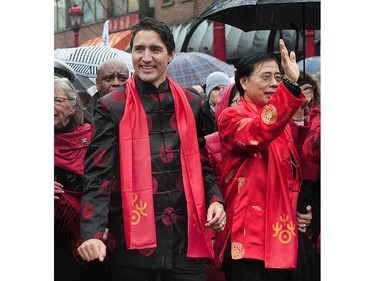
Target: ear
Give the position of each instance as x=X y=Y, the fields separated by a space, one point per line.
x=171 y=56
x=243 y=81
x=71 y=113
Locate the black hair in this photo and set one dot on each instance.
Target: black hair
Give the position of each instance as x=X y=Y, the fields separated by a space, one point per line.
x=247 y=65
x=160 y=28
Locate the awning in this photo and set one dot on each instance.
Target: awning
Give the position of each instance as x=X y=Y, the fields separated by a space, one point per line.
x=118 y=40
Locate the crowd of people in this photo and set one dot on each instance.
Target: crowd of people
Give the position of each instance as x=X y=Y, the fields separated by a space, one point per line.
x=217 y=182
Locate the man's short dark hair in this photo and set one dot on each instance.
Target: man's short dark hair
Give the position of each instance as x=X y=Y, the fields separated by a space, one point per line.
x=159 y=27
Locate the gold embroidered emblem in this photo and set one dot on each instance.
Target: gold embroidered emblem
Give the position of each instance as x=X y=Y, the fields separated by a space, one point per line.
x=243 y=123
x=254 y=142
x=230 y=175
x=257 y=208
x=284 y=235
x=241 y=145
x=139 y=210
x=238 y=250
x=269 y=114
x=241 y=184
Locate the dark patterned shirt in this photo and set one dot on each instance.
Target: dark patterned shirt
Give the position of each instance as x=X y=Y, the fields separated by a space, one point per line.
x=102 y=185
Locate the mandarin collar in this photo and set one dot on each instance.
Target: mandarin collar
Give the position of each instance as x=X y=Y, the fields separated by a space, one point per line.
x=148 y=88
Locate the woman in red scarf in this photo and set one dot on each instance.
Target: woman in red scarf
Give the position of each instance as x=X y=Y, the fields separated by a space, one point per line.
x=71 y=140
x=261 y=172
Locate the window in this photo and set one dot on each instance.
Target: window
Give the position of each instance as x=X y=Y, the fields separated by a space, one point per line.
x=166 y=3
x=122 y=7
x=93 y=12
x=60 y=15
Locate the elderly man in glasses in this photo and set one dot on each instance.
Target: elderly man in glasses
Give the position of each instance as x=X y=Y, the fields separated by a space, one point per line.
x=261 y=174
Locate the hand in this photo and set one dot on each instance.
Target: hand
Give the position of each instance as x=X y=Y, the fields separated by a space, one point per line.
x=92 y=249
x=58 y=190
x=289 y=63
x=304 y=220
x=216 y=217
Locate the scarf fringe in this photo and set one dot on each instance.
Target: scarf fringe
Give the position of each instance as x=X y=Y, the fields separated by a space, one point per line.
x=67 y=220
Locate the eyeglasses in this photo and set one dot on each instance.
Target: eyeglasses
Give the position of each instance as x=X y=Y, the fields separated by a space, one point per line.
x=60 y=101
x=235 y=101
x=267 y=77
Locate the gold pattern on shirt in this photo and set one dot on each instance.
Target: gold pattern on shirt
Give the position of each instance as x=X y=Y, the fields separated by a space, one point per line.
x=269 y=114
x=241 y=145
x=243 y=123
x=254 y=142
x=241 y=183
x=230 y=175
x=238 y=250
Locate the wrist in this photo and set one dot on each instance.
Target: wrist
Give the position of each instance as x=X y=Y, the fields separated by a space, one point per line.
x=290 y=82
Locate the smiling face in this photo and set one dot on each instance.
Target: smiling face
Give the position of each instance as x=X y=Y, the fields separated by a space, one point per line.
x=63 y=108
x=257 y=88
x=150 y=57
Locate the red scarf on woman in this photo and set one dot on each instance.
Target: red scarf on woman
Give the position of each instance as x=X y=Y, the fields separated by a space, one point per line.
x=136 y=174
x=70 y=149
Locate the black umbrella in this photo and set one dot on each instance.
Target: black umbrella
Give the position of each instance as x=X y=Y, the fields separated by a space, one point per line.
x=250 y=15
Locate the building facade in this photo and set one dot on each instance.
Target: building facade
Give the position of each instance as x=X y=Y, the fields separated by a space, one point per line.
x=191 y=33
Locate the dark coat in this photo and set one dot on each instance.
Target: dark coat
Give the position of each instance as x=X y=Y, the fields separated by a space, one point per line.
x=102 y=191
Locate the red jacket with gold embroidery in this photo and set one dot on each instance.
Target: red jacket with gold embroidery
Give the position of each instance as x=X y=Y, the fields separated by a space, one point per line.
x=262 y=179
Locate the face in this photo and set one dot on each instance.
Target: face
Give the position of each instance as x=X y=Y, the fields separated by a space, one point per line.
x=111 y=76
x=262 y=83
x=215 y=93
x=150 y=57
x=62 y=109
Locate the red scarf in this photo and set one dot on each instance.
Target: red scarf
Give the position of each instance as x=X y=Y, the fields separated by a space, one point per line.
x=136 y=175
x=68 y=210
x=70 y=148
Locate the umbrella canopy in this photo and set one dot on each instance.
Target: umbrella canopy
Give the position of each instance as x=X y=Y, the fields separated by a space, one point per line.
x=192 y=68
x=312 y=65
x=85 y=61
x=251 y=15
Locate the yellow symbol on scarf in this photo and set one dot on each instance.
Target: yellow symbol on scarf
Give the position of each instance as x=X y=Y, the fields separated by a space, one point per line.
x=139 y=210
x=285 y=235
